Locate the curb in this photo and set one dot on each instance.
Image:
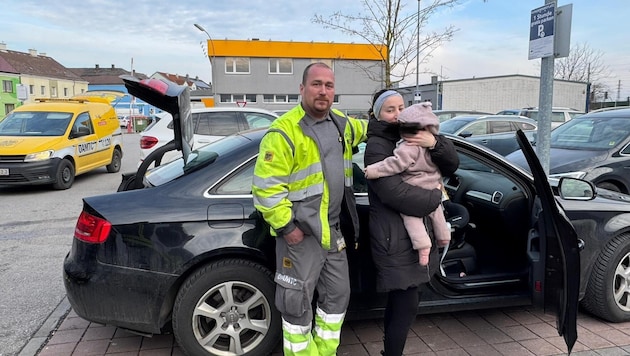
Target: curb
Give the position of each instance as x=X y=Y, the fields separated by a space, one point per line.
x=43 y=333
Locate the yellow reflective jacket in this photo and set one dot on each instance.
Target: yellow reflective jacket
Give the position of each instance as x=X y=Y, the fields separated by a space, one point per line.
x=289 y=186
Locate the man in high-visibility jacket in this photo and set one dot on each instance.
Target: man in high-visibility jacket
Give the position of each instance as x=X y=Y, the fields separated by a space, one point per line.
x=303 y=188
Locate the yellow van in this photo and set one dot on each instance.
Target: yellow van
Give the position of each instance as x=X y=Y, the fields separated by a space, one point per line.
x=51 y=141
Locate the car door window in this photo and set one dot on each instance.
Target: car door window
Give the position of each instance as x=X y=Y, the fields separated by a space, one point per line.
x=500 y=126
x=257 y=120
x=217 y=123
x=557 y=117
x=83 y=124
x=477 y=128
x=238 y=183
x=523 y=126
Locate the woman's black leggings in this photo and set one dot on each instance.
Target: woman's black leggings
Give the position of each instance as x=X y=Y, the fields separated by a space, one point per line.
x=400 y=312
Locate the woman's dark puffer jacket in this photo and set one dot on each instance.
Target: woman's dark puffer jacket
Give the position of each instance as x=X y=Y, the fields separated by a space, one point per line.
x=395 y=259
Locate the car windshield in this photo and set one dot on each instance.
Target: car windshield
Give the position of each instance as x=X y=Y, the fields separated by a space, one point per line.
x=452 y=125
x=196 y=159
x=590 y=133
x=35 y=123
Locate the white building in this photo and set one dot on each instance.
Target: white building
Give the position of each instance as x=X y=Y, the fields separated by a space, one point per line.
x=493 y=94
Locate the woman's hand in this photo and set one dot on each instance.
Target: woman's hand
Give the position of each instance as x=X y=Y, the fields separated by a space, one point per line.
x=421 y=138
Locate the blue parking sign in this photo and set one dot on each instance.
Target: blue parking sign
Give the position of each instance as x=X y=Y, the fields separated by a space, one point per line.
x=541 y=31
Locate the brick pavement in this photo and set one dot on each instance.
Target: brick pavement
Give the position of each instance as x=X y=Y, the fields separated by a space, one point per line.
x=507 y=331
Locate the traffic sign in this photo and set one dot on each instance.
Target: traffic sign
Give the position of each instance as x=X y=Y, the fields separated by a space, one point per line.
x=541 y=31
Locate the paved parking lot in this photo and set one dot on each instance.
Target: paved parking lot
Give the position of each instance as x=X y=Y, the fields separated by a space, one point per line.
x=508 y=331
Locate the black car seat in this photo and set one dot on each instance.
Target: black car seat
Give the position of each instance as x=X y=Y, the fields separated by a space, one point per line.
x=459 y=258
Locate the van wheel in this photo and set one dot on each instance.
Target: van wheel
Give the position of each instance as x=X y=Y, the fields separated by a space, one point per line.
x=116 y=162
x=227 y=308
x=64 y=176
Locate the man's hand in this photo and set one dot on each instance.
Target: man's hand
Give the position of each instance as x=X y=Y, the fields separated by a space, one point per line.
x=294 y=237
x=421 y=138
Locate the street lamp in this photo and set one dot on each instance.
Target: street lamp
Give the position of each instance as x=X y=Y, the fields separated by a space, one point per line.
x=200 y=28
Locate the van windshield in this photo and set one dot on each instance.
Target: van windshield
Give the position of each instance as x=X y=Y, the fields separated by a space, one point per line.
x=35 y=123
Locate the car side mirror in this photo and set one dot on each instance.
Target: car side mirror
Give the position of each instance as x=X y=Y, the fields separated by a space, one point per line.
x=465 y=134
x=82 y=131
x=576 y=189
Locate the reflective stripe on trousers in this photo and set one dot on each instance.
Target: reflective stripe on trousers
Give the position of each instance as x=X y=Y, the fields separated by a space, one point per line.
x=323 y=341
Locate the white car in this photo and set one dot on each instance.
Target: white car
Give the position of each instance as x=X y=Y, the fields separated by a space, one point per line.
x=210 y=124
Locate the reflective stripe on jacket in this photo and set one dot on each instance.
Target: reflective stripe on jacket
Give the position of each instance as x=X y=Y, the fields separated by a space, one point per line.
x=289 y=186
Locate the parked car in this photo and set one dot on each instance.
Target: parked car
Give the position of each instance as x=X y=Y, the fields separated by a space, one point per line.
x=182 y=248
x=138 y=122
x=209 y=124
x=444 y=115
x=51 y=141
x=510 y=112
x=559 y=115
x=496 y=132
x=595 y=147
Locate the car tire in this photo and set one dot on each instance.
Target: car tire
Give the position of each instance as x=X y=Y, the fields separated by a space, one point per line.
x=114 y=166
x=64 y=177
x=607 y=295
x=247 y=323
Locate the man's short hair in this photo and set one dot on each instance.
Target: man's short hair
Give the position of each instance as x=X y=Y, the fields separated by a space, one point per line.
x=308 y=67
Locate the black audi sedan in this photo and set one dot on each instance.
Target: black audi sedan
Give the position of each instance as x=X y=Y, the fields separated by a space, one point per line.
x=180 y=248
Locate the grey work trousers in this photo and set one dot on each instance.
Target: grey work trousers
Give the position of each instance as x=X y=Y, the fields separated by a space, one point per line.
x=304 y=267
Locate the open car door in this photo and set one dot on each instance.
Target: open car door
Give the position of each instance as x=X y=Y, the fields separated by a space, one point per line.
x=556 y=273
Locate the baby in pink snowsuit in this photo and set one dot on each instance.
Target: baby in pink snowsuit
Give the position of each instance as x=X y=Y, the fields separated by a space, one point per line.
x=414 y=164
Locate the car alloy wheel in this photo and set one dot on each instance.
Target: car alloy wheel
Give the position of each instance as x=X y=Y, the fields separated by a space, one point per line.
x=226 y=308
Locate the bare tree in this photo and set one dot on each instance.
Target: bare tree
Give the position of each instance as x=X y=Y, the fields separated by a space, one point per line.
x=386 y=23
x=584 y=64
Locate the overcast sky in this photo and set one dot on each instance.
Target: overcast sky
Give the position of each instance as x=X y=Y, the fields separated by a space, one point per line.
x=492 y=37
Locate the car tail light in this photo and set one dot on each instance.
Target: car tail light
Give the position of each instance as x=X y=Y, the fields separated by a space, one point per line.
x=148 y=142
x=92 y=229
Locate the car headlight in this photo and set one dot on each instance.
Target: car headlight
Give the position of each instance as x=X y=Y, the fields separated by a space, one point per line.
x=39 y=156
x=577 y=174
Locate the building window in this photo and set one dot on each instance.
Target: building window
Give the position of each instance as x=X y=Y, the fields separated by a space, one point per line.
x=8 y=108
x=280 y=98
x=65 y=92
x=328 y=62
x=53 y=91
x=42 y=90
x=238 y=65
x=280 y=66
x=31 y=89
x=234 y=98
x=7 y=86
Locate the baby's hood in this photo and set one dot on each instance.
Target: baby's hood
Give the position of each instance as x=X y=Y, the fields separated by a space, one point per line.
x=421 y=114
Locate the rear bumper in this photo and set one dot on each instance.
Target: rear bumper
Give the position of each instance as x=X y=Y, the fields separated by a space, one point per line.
x=124 y=297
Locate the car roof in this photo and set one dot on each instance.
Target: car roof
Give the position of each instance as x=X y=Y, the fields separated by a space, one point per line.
x=494 y=118
x=61 y=105
x=232 y=108
x=619 y=113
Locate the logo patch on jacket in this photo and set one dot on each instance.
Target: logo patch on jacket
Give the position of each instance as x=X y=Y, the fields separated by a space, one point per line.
x=286 y=262
x=268 y=156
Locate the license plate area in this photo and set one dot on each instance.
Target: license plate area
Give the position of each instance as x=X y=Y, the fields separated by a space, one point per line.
x=4 y=171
